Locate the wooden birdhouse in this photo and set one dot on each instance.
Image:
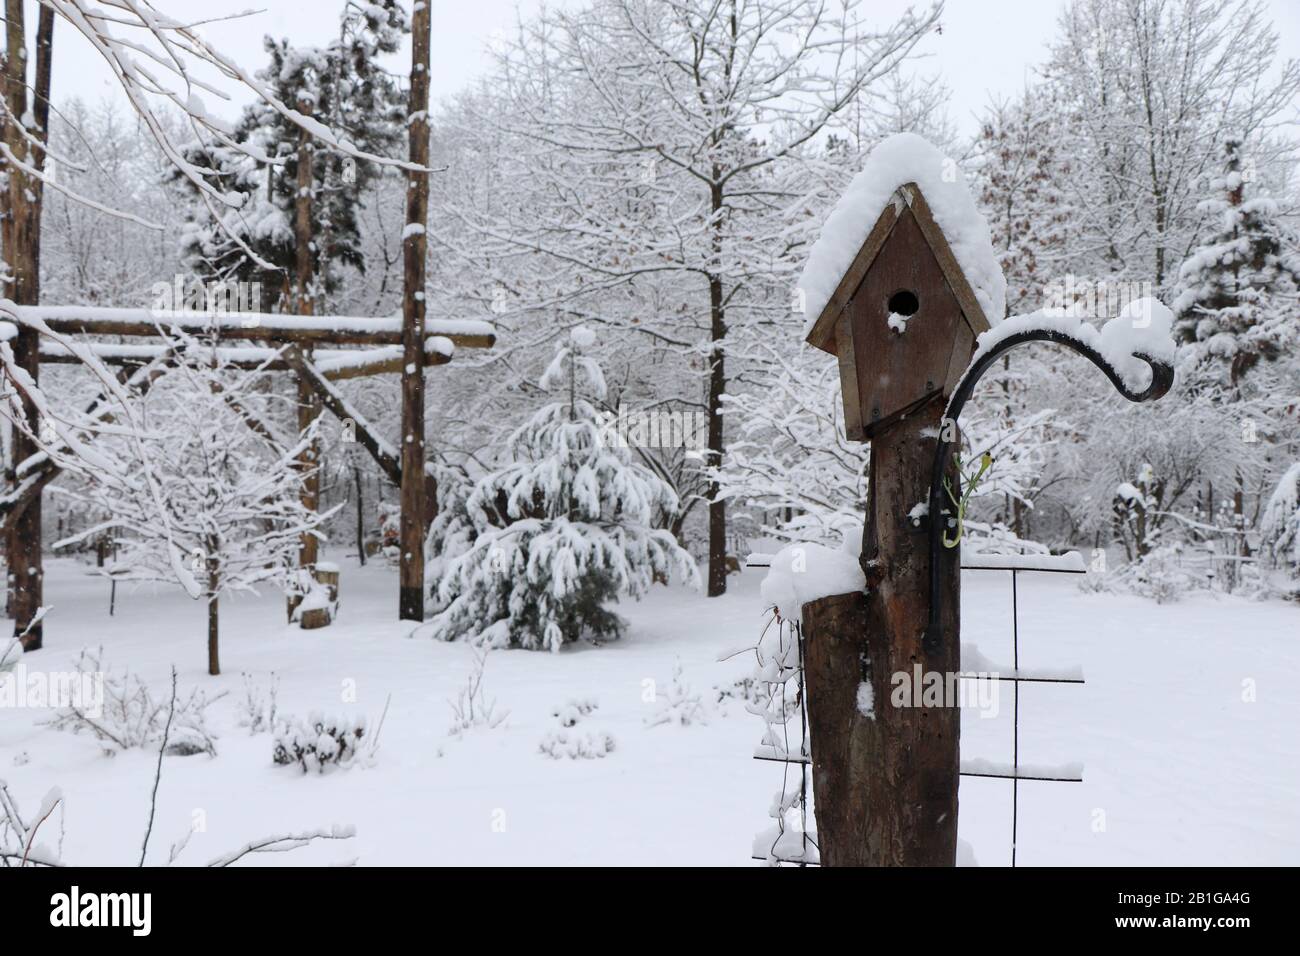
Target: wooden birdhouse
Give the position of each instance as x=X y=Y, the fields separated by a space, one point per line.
x=902 y=321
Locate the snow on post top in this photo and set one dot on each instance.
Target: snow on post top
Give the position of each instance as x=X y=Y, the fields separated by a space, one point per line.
x=802 y=573
x=901 y=159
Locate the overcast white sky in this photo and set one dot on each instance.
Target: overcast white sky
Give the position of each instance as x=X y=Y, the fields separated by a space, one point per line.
x=987 y=47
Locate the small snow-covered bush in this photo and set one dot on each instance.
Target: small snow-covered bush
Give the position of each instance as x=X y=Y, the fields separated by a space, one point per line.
x=573 y=711
x=1157 y=575
x=472 y=707
x=131 y=716
x=575 y=746
x=320 y=743
x=257 y=710
x=589 y=746
x=681 y=705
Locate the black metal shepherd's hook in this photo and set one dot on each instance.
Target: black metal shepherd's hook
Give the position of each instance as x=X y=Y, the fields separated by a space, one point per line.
x=1162 y=379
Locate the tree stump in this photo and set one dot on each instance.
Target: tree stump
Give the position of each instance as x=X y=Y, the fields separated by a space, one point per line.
x=885 y=784
x=314 y=617
x=318 y=606
x=327 y=573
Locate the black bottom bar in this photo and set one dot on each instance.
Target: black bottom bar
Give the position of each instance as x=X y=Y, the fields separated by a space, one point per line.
x=335 y=906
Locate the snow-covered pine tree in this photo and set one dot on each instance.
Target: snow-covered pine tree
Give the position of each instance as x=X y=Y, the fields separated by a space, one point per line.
x=1237 y=290
x=1280 y=525
x=340 y=85
x=562 y=530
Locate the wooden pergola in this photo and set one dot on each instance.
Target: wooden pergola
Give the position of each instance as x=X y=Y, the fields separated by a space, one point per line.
x=318 y=351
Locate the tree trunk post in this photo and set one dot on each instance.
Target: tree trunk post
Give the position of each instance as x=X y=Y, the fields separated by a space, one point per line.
x=308 y=403
x=21 y=248
x=717 y=575
x=214 y=583
x=361 y=515
x=414 y=248
x=886 y=783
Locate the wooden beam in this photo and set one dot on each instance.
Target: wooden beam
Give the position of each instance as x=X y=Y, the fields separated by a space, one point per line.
x=384 y=454
x=253 y=326
x=334 y=364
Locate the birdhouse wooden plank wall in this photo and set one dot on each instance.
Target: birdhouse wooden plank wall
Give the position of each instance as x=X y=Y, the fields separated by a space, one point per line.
x=903 y=320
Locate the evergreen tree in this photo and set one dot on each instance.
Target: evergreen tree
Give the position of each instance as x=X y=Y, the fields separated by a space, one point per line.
x=340 y=85
x=562 y=530
x=1237 y=292
x=1280 y=525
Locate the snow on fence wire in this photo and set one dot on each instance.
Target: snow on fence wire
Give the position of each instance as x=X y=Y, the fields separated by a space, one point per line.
x=780 y=661
x=1071 y=563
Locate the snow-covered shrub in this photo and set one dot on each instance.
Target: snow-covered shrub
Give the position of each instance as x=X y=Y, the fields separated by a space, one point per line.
x=320 y=743
x=575 y=746
x=257 y=709
x=1280 y=525
x=131 y=716
x=573 y=711
x=18 y=846
x=561 y=531
x=680 y=705
x=472 y=707
x=1158 y=574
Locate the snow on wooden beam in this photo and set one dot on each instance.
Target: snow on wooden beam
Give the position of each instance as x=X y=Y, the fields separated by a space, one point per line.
x=337 y=366
x=334 y=364
x=252 y=326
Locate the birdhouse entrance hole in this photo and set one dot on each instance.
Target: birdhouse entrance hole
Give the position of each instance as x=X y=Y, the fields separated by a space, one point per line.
x=904 y=302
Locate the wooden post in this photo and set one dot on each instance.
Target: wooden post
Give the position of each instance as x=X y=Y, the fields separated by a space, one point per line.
x=414 y=249
x=886 y=784
x=21 y=247
x=309 y=409
x=309 y=403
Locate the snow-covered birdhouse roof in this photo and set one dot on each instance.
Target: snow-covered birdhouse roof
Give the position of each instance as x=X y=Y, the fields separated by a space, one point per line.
x=904 y=173
x=900 y=283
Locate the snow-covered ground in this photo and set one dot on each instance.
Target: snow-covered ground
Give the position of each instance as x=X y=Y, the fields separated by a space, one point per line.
x=1179 y=768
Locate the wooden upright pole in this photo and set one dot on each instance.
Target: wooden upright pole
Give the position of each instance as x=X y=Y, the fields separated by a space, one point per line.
x=886 y=781
x=414 y=249
x=309 y=404
x=21 y=246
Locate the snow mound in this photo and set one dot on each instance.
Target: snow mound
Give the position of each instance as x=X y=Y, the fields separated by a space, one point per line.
x=904 y=158
x=805 y=572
